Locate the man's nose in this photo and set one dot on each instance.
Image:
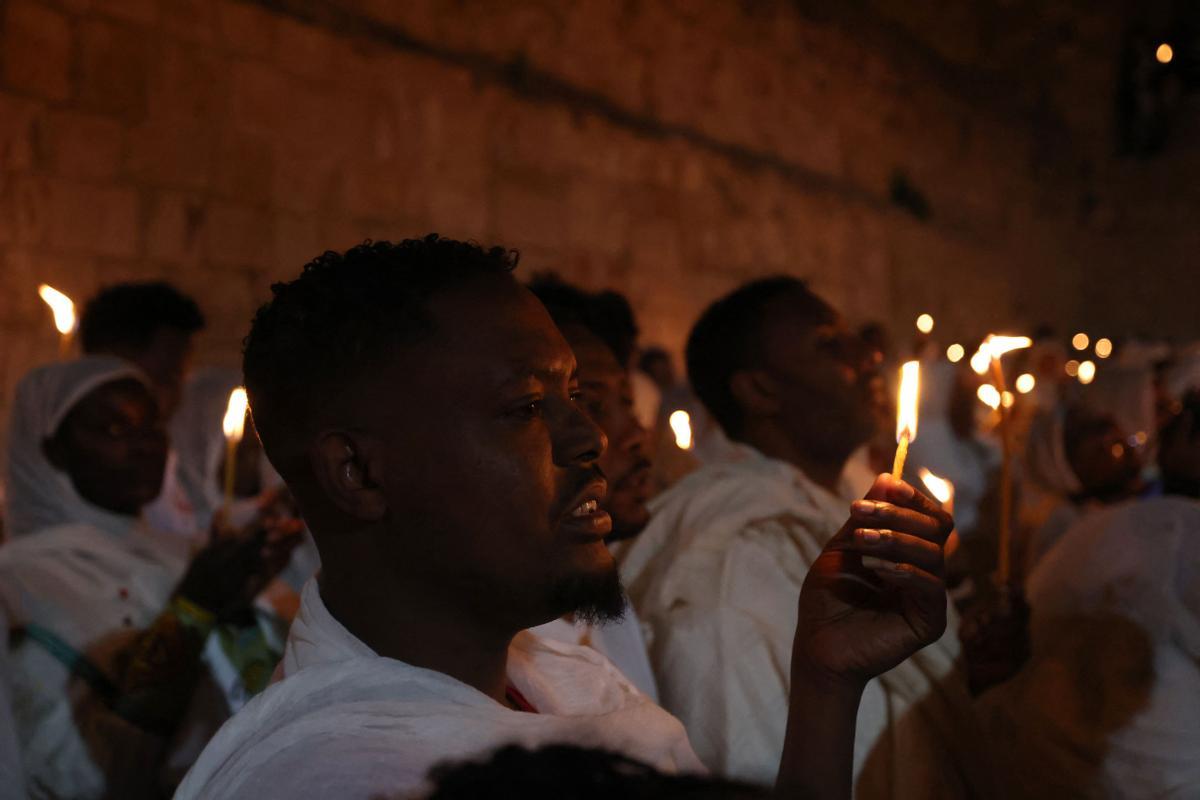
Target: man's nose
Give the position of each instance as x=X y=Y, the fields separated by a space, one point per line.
x=579 y=439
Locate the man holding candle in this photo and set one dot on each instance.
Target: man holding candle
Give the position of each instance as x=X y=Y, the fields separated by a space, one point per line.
x=450 y=476
x=727 y=548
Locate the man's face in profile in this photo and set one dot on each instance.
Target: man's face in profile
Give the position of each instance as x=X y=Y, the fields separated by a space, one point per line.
x=491 y=474
x=608 y=399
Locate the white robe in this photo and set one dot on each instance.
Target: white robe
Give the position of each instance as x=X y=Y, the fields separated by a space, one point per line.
x=621 y=642
x=82 y=584
x=717 y=575
x=347 y=723
x=1109 y=704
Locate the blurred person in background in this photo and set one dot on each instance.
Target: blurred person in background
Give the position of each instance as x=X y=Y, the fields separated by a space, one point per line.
x=607 y=395
x=153 y=326
x=127 y=651
x=1109 y=704
x=716 y=571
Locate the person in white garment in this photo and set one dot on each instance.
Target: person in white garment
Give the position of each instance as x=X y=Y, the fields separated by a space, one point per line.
x=107 y=619
x=425 y=411
x=607 y=394
x=152 y=325
x=1109 y=704
x=715 y=572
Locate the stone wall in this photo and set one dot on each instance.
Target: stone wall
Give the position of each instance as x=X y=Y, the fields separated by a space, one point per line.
x=903 y=158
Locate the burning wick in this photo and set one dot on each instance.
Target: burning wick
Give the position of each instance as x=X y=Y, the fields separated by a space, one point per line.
x=234 y=425
x=64 y=316
x=906 y=414
x=681 y=424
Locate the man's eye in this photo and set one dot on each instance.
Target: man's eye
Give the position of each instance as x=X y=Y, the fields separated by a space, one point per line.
x=530 y=410
x=576 y=396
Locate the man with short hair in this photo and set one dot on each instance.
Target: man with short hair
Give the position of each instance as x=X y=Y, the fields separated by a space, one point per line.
x=715 y=572
x=606 y=394
x=425 y=411
x=150 y=324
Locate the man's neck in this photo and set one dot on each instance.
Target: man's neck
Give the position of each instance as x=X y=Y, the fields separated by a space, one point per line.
x=825 y=472
x=418 y=631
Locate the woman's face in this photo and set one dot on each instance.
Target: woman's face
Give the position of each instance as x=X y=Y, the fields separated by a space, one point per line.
x=113 y=447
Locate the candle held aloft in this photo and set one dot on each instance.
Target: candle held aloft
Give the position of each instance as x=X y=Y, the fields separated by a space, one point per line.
x=681 y=425
x=941 y=489
x=234 y=426
x=64 y=316
x=906 y=413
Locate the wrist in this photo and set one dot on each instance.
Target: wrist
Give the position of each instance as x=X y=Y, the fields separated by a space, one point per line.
x=191 y=615
x=811 y=678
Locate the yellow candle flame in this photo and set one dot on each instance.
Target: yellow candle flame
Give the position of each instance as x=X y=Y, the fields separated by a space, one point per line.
x=1087 y=372
x=61 y=305
x=906 y=407
x=681 y=424
x=1026 y=383
x=925 y=323
x=940 y=488
x=989 y=395
x=234 y=423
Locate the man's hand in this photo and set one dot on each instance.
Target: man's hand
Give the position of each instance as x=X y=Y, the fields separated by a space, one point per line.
x=876 y=594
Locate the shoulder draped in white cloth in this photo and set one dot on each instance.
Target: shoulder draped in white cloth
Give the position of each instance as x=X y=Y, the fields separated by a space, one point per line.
x=717 y=576
x=621 y=642
x=347 y=723
x=1109 y=705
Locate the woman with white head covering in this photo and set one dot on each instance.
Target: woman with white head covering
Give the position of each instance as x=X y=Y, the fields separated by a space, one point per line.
x=108 y=618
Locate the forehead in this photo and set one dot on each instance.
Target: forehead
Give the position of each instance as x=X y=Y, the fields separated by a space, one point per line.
x=596 y=360
x=111 y=399
x=792 y=319
x=494 y=329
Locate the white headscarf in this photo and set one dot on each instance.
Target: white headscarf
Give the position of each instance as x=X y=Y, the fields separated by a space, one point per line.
x=39 y=495
x=1046 y=454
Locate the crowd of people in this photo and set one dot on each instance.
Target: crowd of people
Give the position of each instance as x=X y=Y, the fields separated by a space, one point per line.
x=461 y=553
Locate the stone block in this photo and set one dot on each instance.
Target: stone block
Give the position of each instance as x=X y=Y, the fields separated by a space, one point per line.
x=36 y=50
x=24 y=208
x=173 y=223
x=246 y=29
x=305 y=50
x=20 y=123
x=172 y=153
x=193 y=21
x=82 y=145
x=237 y=235
x=143 y=12
x=114 y=69
x=92 y=218
x=245 y=164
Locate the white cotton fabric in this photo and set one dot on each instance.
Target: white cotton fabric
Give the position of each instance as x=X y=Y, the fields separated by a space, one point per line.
x=12 y=777
x=347 y=723
x=622 y=642
x=717 y=576
x=83 y=584
x=38 y=496
x=1109 y=705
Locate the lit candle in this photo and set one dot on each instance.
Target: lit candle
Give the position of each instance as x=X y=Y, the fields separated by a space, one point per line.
x=906 y=413
x=994 y=348
x=941 y=489
x=64 y=317
x=681 y=426
x=234 y=425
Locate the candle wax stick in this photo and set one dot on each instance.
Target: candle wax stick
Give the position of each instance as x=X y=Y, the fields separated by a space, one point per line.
x=1004 y=560
x=901 y=456
x=231 y=445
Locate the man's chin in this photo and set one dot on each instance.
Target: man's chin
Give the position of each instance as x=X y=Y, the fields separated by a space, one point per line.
x=592 y=597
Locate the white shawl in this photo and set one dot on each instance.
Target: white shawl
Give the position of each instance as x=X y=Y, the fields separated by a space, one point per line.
x=717 y=575
x=38 y=495
x=347 y=723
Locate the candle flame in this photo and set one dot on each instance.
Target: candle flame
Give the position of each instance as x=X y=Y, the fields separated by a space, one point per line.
x=1087 y=372
x=234 y=423
x=681 y=424
x=925 y=323
x=1026 y=383
x=997 y=346
x=906 y=408
x=989 y=395
x=61 y=305
x=940 y=488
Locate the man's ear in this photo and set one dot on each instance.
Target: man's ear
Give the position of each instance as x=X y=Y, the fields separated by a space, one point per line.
x=348 y=468
x=756 y=392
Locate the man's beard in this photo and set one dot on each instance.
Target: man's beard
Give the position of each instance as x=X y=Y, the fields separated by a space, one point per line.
x=593 y=599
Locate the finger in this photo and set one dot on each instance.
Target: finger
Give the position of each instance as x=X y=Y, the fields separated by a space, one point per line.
x=890 y=489
x=886 y=516
x=897 y=547
x=923 y=504
x=907 y=578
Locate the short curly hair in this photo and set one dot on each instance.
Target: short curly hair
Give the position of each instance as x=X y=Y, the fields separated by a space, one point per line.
x=345 y=314
x=728 y=338
x=127 y=315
